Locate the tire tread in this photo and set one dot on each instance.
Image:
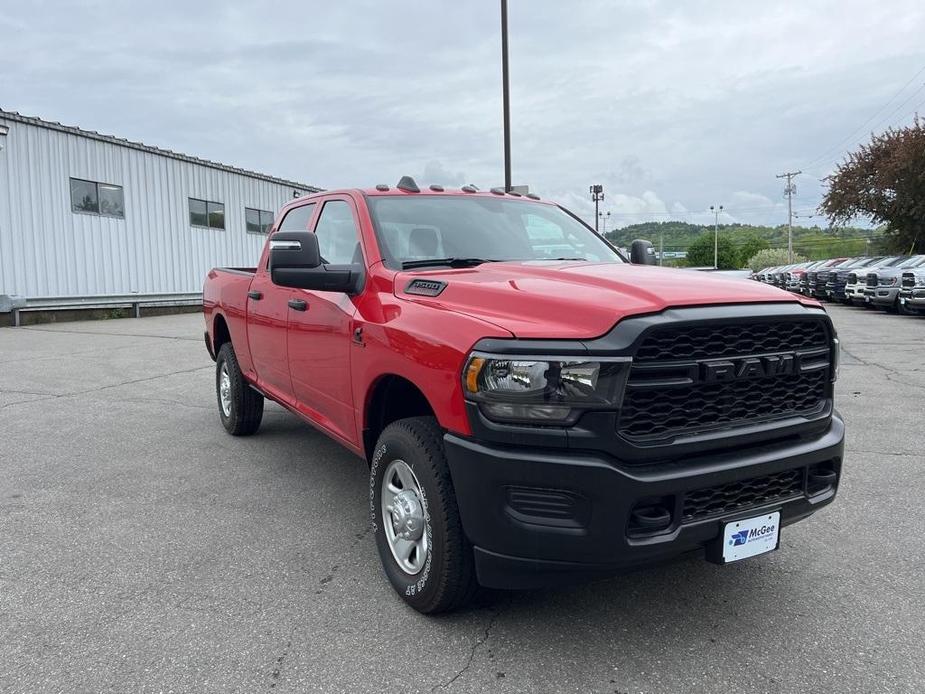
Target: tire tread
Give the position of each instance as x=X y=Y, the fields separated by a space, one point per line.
x=247 y=403
x=457 y=583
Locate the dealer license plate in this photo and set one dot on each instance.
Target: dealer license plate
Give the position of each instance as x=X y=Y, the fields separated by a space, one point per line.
x=751 y=536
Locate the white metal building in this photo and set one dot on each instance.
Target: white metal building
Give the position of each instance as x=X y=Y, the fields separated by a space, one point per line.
x=84 y=214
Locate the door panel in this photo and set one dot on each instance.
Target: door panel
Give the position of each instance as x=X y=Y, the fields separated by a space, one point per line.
x=267 y=320
x=320 y=337
x=268 y=316
x=319 y=360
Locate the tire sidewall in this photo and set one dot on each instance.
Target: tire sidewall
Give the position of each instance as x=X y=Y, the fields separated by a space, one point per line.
x=226 y=356
x=420 y=589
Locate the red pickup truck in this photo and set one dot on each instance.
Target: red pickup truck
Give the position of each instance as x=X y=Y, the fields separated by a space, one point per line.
x=534 y=408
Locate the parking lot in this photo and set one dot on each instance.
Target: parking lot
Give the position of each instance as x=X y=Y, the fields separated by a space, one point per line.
x=144 y=549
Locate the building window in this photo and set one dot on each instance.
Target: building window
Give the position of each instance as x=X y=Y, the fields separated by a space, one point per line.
x=103 y=199
x=203 y=213
x=257 y=221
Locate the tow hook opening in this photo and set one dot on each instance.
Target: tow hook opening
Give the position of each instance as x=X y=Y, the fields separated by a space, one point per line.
x=650 y=517
x=821 y=478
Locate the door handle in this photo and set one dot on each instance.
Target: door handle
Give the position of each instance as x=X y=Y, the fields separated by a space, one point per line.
x=256 y=296
x=297 y=304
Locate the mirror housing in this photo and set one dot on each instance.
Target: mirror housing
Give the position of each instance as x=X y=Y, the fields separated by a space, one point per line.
x=294 y=249
x=642 y=253
x=295 y=261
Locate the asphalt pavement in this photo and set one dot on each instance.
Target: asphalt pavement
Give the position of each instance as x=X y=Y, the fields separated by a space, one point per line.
x=143 y=549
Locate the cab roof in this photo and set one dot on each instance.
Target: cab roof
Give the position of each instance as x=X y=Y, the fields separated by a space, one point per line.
x=407 y=186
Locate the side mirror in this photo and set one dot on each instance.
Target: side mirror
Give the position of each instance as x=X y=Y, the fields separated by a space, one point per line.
x=642 y=253
x=295 y=261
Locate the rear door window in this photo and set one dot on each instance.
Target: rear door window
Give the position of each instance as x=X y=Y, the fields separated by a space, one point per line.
x=297 y=218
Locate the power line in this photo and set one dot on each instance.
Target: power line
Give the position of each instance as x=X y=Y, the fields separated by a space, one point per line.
x=837 y=147
x=897 y=109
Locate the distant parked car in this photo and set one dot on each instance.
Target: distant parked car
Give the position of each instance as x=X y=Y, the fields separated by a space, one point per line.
x=794 y=276
x=883 y=284
x=838 y=277
x=808 y=278
x=912 y=290
x=816 y=278
x=856 y=282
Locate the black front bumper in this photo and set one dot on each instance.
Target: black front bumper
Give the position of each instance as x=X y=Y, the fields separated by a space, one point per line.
x=540 y=516
x=836 y=291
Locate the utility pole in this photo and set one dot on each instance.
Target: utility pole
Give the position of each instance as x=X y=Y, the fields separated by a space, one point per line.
x=716 y=235
x=506 y=89
x=789 y=192
x=597 y=194
x=661 y=247
x=604 y=217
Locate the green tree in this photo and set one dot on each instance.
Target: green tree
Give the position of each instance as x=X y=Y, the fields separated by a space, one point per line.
x=883 y=181
x=770 y=257
x=700 y=252
x=748 y=246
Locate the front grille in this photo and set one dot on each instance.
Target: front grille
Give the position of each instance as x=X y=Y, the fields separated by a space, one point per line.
x=731 y=340
x=742 y=495
x=852 y=278
x=657 y=412
x=872 y=279
x=908 y=280
x=670 y=392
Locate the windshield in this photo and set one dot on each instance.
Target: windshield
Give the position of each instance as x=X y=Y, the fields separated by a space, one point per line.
x=415 y=230
x=912 y=262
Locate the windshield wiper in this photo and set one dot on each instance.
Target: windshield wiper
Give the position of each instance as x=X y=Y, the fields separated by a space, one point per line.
x=561 y=258
x=451 y=262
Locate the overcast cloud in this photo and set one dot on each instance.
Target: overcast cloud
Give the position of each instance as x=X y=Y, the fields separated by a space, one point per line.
x=672 y=106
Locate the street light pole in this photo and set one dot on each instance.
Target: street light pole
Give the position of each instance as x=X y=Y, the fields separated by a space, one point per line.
x=505 y=88
x=716 y=235
x=604 y=217
x=597 y=194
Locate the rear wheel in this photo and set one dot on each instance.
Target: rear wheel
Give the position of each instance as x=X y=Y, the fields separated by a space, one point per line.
x=419 y=535
x=240 y=407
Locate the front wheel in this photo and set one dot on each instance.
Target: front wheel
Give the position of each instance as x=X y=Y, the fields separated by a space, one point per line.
x=240 y=407
x=419 y=535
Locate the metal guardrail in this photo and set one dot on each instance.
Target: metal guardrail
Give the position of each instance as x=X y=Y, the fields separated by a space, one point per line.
x=16 y=304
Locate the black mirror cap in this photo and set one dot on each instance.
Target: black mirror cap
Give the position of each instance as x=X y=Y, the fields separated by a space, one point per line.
x=294 y=249
x=642 y=253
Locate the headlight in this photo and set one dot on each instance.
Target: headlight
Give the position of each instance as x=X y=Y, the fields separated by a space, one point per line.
x=543 y=390
x=920 y=281
x=836 y=358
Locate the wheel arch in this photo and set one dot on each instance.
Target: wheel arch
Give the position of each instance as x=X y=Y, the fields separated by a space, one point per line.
x=220 y=332
x=389 y=398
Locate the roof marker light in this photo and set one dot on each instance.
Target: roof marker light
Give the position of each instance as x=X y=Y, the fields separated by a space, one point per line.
x=436 y=188
x=381 y=186
x=469 y=189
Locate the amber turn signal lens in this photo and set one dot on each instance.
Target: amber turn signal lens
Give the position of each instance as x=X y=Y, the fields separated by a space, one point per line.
x=472 y=374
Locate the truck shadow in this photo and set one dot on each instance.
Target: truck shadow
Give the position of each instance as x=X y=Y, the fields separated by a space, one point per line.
x=641 y=602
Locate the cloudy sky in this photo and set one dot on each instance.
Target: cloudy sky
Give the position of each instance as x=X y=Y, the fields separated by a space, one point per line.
x=672 y=106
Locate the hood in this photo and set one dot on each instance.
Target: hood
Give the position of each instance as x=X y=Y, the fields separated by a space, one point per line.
x=887 y=271
x=578 y=300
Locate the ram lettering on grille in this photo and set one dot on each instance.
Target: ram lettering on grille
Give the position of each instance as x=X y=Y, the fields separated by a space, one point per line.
x=687 y=380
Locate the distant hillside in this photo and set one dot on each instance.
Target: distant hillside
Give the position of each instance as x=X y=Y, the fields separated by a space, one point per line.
x=811 y=242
